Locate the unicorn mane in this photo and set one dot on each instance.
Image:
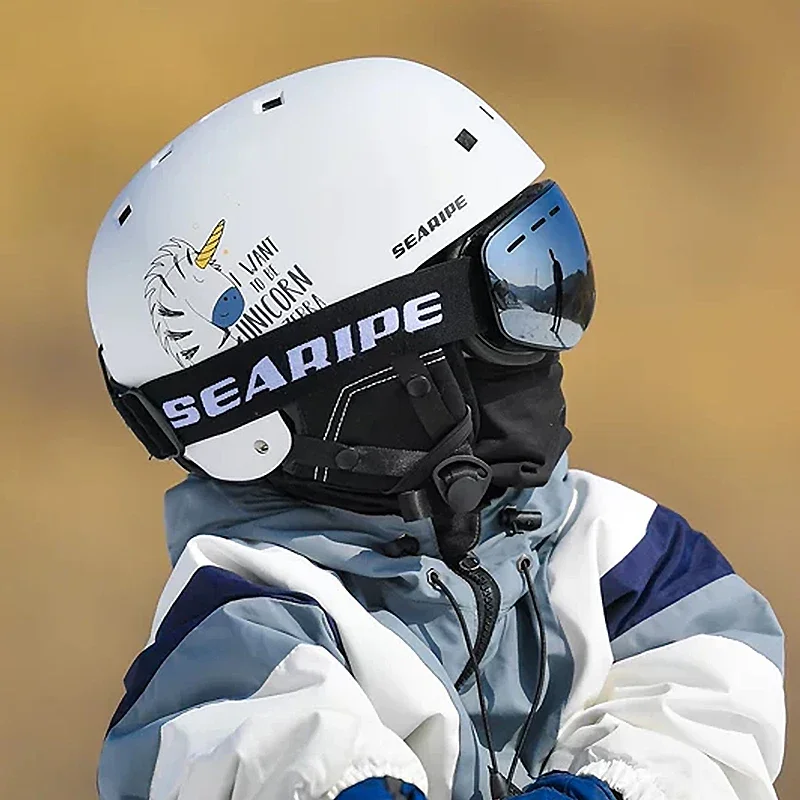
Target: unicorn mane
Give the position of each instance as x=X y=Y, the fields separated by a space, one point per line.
x=181 y=330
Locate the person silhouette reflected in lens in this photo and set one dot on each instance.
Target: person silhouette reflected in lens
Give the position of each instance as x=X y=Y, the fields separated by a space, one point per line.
x=558 y=280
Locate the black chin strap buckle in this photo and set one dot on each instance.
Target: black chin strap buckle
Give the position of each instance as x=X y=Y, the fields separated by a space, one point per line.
x=462 y=482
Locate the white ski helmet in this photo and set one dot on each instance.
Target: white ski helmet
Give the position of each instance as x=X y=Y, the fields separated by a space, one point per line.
x=298 y=196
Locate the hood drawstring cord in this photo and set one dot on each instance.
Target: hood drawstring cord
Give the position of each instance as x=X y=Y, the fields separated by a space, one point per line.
x=497 y=783
x=499 y=786
x=524 y=567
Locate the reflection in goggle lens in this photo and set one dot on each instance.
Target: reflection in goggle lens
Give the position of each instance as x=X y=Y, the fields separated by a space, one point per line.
x=540 y=274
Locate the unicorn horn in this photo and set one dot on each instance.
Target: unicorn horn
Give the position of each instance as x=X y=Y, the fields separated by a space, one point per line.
x=210 y=247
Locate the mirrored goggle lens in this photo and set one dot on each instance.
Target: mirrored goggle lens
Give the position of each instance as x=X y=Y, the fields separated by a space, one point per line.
x=540 y=274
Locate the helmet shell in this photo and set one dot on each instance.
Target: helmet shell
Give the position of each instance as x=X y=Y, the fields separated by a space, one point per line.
x=300 y=193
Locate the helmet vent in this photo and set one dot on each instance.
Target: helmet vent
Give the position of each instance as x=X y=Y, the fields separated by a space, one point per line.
x=268 y=105
x=486 y=112
x=466 y=140
x=124 y=214
x=162 y=156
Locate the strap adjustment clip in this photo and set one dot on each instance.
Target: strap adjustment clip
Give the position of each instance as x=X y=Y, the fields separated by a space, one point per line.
x=462 y=482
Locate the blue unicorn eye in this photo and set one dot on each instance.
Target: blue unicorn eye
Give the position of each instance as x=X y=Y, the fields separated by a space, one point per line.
x=228 y=308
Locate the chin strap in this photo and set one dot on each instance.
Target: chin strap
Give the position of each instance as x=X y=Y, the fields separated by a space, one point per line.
x=447 y=481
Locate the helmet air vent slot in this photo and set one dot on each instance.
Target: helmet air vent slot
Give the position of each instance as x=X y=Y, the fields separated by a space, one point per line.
x=123 y=215
x=466 y=139
x=162 y=156
x=268 y=105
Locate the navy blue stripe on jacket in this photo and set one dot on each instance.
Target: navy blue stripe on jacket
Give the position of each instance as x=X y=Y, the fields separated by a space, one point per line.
x=221 y=640
x=669 y=563
x=209 y=589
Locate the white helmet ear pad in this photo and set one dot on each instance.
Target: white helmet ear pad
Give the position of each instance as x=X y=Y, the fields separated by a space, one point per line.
x=245 y=453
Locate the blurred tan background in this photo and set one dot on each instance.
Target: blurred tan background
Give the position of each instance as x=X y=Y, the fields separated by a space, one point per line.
x=673 y=127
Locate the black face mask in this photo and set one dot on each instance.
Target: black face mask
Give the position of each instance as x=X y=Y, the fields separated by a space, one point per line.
x=512 y=418
x=522 y=429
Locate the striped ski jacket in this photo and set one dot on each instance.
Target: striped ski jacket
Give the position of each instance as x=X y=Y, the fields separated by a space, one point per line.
x=298 y=649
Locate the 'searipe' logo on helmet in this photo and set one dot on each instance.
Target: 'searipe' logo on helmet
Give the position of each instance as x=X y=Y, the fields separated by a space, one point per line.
x=199 y=307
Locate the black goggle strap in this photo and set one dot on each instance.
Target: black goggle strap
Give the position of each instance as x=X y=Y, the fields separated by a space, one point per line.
x=145 y=420
x=455 y=309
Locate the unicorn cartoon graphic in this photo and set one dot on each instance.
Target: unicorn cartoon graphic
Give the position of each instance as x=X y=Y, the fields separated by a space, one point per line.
x=192 y=302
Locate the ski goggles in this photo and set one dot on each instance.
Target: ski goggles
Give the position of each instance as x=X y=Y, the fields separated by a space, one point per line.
x=538 y=271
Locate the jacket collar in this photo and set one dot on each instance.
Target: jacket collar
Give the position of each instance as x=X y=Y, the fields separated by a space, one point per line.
x=331 y=536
